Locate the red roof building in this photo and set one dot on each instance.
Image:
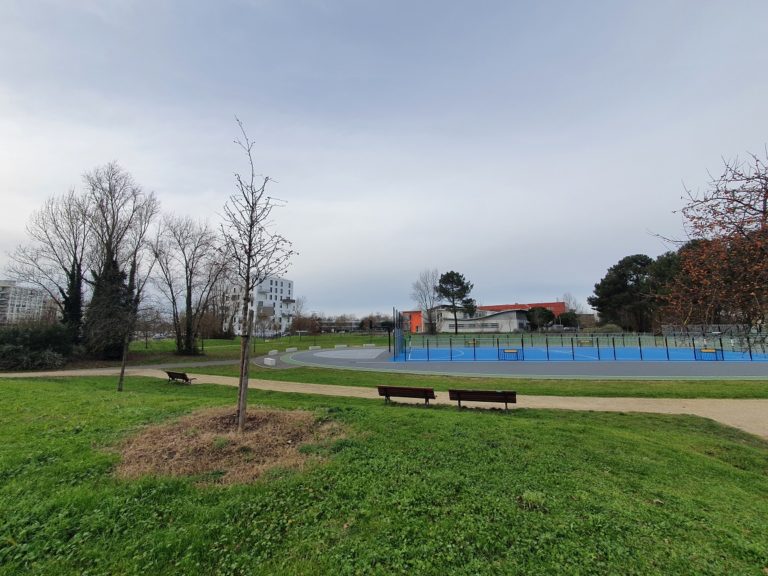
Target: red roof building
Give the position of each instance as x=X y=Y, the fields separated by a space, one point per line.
x=557 y=308
x=492 y=318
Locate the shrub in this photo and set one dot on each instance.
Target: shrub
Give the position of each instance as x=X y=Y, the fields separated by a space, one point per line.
x=38 y=337
x=604 y=329
x=15 y=357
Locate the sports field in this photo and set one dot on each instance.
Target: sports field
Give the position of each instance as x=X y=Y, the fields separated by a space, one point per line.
x=561 y=348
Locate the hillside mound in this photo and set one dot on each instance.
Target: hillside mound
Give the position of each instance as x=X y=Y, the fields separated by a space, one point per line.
x=207 y=446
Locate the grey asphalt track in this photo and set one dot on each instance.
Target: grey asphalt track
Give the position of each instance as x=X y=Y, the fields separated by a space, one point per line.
x=379 y=360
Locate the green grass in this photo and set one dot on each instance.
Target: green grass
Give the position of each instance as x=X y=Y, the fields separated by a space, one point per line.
x=545 y=387
x=164 y=351
x=409 y=491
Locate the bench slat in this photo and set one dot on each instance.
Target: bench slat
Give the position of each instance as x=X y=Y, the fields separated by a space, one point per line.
x=505 y=396
x=406 y=392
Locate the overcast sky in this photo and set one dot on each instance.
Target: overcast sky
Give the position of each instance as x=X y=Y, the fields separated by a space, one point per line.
x=527 y=145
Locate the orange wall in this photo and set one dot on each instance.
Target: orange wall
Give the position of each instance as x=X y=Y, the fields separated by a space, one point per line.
x=415 y=321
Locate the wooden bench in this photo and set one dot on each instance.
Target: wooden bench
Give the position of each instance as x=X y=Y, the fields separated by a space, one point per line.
x=506 y=396
x=406 y=392
x=511 y=354
x=708 y=354
x=178 y=376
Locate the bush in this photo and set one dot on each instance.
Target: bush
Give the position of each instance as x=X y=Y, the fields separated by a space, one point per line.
x=604 y=329
x=15 y=357
x=38 y=337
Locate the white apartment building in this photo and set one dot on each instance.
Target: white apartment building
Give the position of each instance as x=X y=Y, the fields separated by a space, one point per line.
x=273 y=306
x=20 y=303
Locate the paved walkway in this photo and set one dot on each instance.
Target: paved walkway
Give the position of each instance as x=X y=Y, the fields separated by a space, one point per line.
x=748 y=415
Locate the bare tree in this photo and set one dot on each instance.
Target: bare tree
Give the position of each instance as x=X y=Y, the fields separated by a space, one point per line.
x=265 y=320
x=149 y=323
x=424 y=293
x=257 y=251
x=55 y=257
x=572 y=304
x=299 y=321
x=190 y=263
x=140 y=263
x=300 y=307
x=121 y=219
x=219 y=317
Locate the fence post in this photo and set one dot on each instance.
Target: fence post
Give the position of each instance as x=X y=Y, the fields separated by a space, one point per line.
x=546 y=343
x=640 y=346
x=573 y=350
x=598 y=347
x=613 y=341
x=427 y=350
x=666 y=345
x=450 y=349
x=474 y=348
x=749 y=346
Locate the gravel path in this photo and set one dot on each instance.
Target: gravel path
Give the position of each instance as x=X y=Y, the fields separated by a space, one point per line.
x=748 y=415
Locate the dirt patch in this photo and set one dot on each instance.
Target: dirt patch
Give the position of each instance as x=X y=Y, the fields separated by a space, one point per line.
x=206 y=445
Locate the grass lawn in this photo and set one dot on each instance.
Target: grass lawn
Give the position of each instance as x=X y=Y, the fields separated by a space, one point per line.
x=164 y=351
x=547 y=387
x=408 y=491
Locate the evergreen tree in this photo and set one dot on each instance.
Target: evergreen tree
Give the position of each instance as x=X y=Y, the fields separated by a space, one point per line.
x=455 y=289
x=109 y=312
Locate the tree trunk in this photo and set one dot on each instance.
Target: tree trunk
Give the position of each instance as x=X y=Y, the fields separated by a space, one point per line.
x=189 y=334
x=131 y=324
x=242 y=399
x=177 y=330
x=126 y=344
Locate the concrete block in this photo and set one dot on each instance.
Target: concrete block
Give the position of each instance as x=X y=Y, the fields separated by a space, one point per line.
x=292 y=349
x=269 y=362
x=340 y=346
x=315 y=347
x=273 y=353
x=369 y=345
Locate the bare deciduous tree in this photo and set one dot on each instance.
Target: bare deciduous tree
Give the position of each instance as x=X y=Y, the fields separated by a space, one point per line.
x=122 y=215
x=265 y=320
x=55 y=258
x=149 y=323
x=256 y=250
x=299 y=321
x=190 y=263
x=424 y=293
x=219 y=318
x=572 y=304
